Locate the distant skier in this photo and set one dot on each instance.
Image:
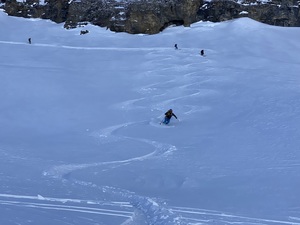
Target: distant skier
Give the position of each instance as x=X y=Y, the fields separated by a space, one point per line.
x=168 y=116
x=202 y=52
x=175 y=46
x=29 y=40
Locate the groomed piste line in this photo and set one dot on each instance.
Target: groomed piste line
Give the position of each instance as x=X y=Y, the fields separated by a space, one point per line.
x=190 y=215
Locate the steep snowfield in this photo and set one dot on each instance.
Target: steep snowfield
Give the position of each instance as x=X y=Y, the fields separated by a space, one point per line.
x=81 y=143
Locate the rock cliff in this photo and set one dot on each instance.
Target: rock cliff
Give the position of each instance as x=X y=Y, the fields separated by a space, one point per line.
x=152 y=16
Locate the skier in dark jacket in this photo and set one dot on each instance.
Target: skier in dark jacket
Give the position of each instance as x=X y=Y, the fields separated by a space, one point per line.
x=168 y=116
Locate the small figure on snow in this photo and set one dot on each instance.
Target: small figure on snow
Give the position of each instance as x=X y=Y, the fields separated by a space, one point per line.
x=202 y=52
x=175 y=46
x=29 y=40
x=168 y=116
x=84 y=32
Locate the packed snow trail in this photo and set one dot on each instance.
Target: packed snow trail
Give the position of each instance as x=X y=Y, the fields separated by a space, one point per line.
x=126 y=210
x=155 y=214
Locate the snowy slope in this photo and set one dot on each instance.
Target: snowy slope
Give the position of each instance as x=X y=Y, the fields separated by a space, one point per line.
x=81 y=143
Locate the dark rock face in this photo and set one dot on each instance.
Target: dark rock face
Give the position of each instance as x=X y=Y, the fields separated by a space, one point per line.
x=93 y=11
x=276 y=12
x=56 y=10
x=134 y=16
x=152 y=16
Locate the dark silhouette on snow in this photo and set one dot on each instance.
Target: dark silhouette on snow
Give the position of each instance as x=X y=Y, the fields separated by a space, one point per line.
x=168 y=116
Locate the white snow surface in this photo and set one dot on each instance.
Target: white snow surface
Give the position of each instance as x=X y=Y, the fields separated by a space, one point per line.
x=81 y=143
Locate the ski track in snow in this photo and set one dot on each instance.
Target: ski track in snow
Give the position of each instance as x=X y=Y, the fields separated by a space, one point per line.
x=155 y=213
x=190 y=216
x=87 y=48
x=104 y=136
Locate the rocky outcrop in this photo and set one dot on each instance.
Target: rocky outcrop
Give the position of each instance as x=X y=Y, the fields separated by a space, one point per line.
x=279 y=13
x=152 y=16
x=134 y=16
x=55 y=10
